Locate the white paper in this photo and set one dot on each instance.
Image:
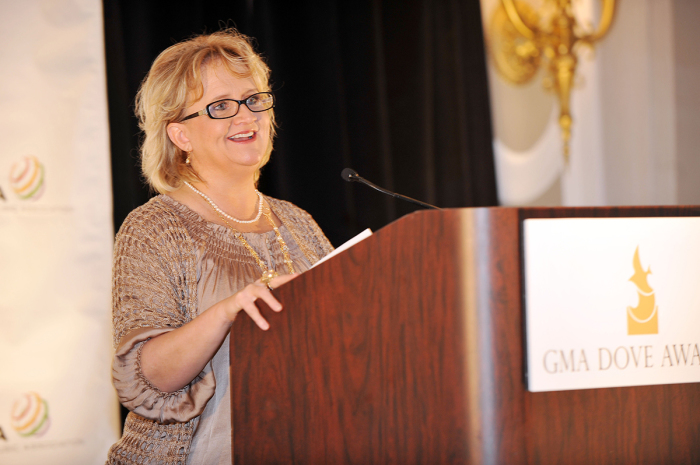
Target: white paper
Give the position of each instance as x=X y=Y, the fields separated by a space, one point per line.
x=360 y=237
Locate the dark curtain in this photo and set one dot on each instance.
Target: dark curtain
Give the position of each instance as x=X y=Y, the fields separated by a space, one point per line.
x=395 y=89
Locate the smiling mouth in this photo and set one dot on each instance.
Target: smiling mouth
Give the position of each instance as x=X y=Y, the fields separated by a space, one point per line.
x=242 y=136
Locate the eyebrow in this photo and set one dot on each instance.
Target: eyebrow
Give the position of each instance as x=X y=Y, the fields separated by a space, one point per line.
x=247 y=94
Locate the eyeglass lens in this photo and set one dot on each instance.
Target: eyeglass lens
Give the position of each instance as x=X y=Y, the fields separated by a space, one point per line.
x=227 y=108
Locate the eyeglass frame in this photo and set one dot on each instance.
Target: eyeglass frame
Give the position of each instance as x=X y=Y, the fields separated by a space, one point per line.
x=205 y=111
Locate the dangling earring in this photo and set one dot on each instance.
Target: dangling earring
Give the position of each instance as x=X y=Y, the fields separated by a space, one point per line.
x=187 y=160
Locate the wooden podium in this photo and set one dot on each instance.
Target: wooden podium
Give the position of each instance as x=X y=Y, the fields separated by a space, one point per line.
x=409 y=349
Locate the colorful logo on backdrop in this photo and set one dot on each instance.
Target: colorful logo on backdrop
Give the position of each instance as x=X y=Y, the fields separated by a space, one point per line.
x=30 y=415
x=27 y=178
x=644 y=318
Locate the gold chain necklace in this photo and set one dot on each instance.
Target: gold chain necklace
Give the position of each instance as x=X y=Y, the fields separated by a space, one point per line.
x=267 y=273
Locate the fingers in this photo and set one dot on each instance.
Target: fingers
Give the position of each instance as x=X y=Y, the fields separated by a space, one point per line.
x=279 y=280
x=246 y=298
x=266 y=296
x=254 y=313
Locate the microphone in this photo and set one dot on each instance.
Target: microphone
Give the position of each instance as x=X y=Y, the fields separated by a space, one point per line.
x=351 y=176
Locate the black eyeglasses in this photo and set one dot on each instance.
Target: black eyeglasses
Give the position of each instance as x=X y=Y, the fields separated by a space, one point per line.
x=228 y=108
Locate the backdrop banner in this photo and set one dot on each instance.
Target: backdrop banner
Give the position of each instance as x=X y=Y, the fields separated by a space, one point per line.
x=57 y=404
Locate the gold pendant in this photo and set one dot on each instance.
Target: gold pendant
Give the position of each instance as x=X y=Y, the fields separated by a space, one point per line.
x=268 y=275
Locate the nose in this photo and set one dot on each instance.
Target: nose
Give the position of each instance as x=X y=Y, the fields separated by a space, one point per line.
x=244 y=115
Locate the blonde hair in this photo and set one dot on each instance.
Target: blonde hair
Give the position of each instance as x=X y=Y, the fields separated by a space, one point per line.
x=176 y=77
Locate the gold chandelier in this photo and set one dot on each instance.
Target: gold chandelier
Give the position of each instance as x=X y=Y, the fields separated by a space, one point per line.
x=522 y=38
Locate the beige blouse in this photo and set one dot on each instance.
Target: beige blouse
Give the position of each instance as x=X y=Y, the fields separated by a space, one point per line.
x=222 y=266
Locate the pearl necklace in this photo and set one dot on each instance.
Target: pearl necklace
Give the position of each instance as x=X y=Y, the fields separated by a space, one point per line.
x=223 y=213
x=267 y=273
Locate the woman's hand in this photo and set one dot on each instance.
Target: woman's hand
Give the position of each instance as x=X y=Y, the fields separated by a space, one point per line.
x=244 y=300
x=170 y=361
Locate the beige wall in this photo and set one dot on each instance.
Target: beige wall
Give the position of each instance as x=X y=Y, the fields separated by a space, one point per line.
x=637 y=92
x=686 y=35
x=636 y=110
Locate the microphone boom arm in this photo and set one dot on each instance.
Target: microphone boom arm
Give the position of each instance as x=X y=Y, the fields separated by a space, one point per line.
x=350 y=175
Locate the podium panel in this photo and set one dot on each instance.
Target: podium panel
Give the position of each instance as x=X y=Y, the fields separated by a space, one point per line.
x=409 y=348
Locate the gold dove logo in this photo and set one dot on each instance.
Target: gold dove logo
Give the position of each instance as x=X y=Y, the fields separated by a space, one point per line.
x=644 y=318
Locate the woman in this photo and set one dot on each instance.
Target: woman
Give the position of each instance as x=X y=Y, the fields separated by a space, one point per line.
x=187 y=262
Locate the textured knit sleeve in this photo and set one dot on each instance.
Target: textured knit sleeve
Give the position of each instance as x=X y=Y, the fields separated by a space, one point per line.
x=324 y=245
x=154 y=291
x=307 y=233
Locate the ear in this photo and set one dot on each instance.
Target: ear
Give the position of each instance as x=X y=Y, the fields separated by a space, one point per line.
x=177 y=132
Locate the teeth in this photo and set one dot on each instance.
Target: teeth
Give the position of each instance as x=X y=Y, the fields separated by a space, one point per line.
x=244 y=135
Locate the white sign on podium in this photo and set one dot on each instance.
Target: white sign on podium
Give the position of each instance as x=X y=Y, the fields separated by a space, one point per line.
x=611 y=302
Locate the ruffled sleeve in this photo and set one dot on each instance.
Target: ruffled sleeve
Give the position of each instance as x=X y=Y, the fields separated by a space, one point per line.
x=154 y=290
x=154 y=272
x=143 y=398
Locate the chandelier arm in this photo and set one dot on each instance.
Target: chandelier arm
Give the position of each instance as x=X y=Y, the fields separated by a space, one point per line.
x=607 y=15
x=514 y=16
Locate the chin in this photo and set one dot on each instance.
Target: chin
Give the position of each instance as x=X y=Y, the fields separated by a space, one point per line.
x=249 y=162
